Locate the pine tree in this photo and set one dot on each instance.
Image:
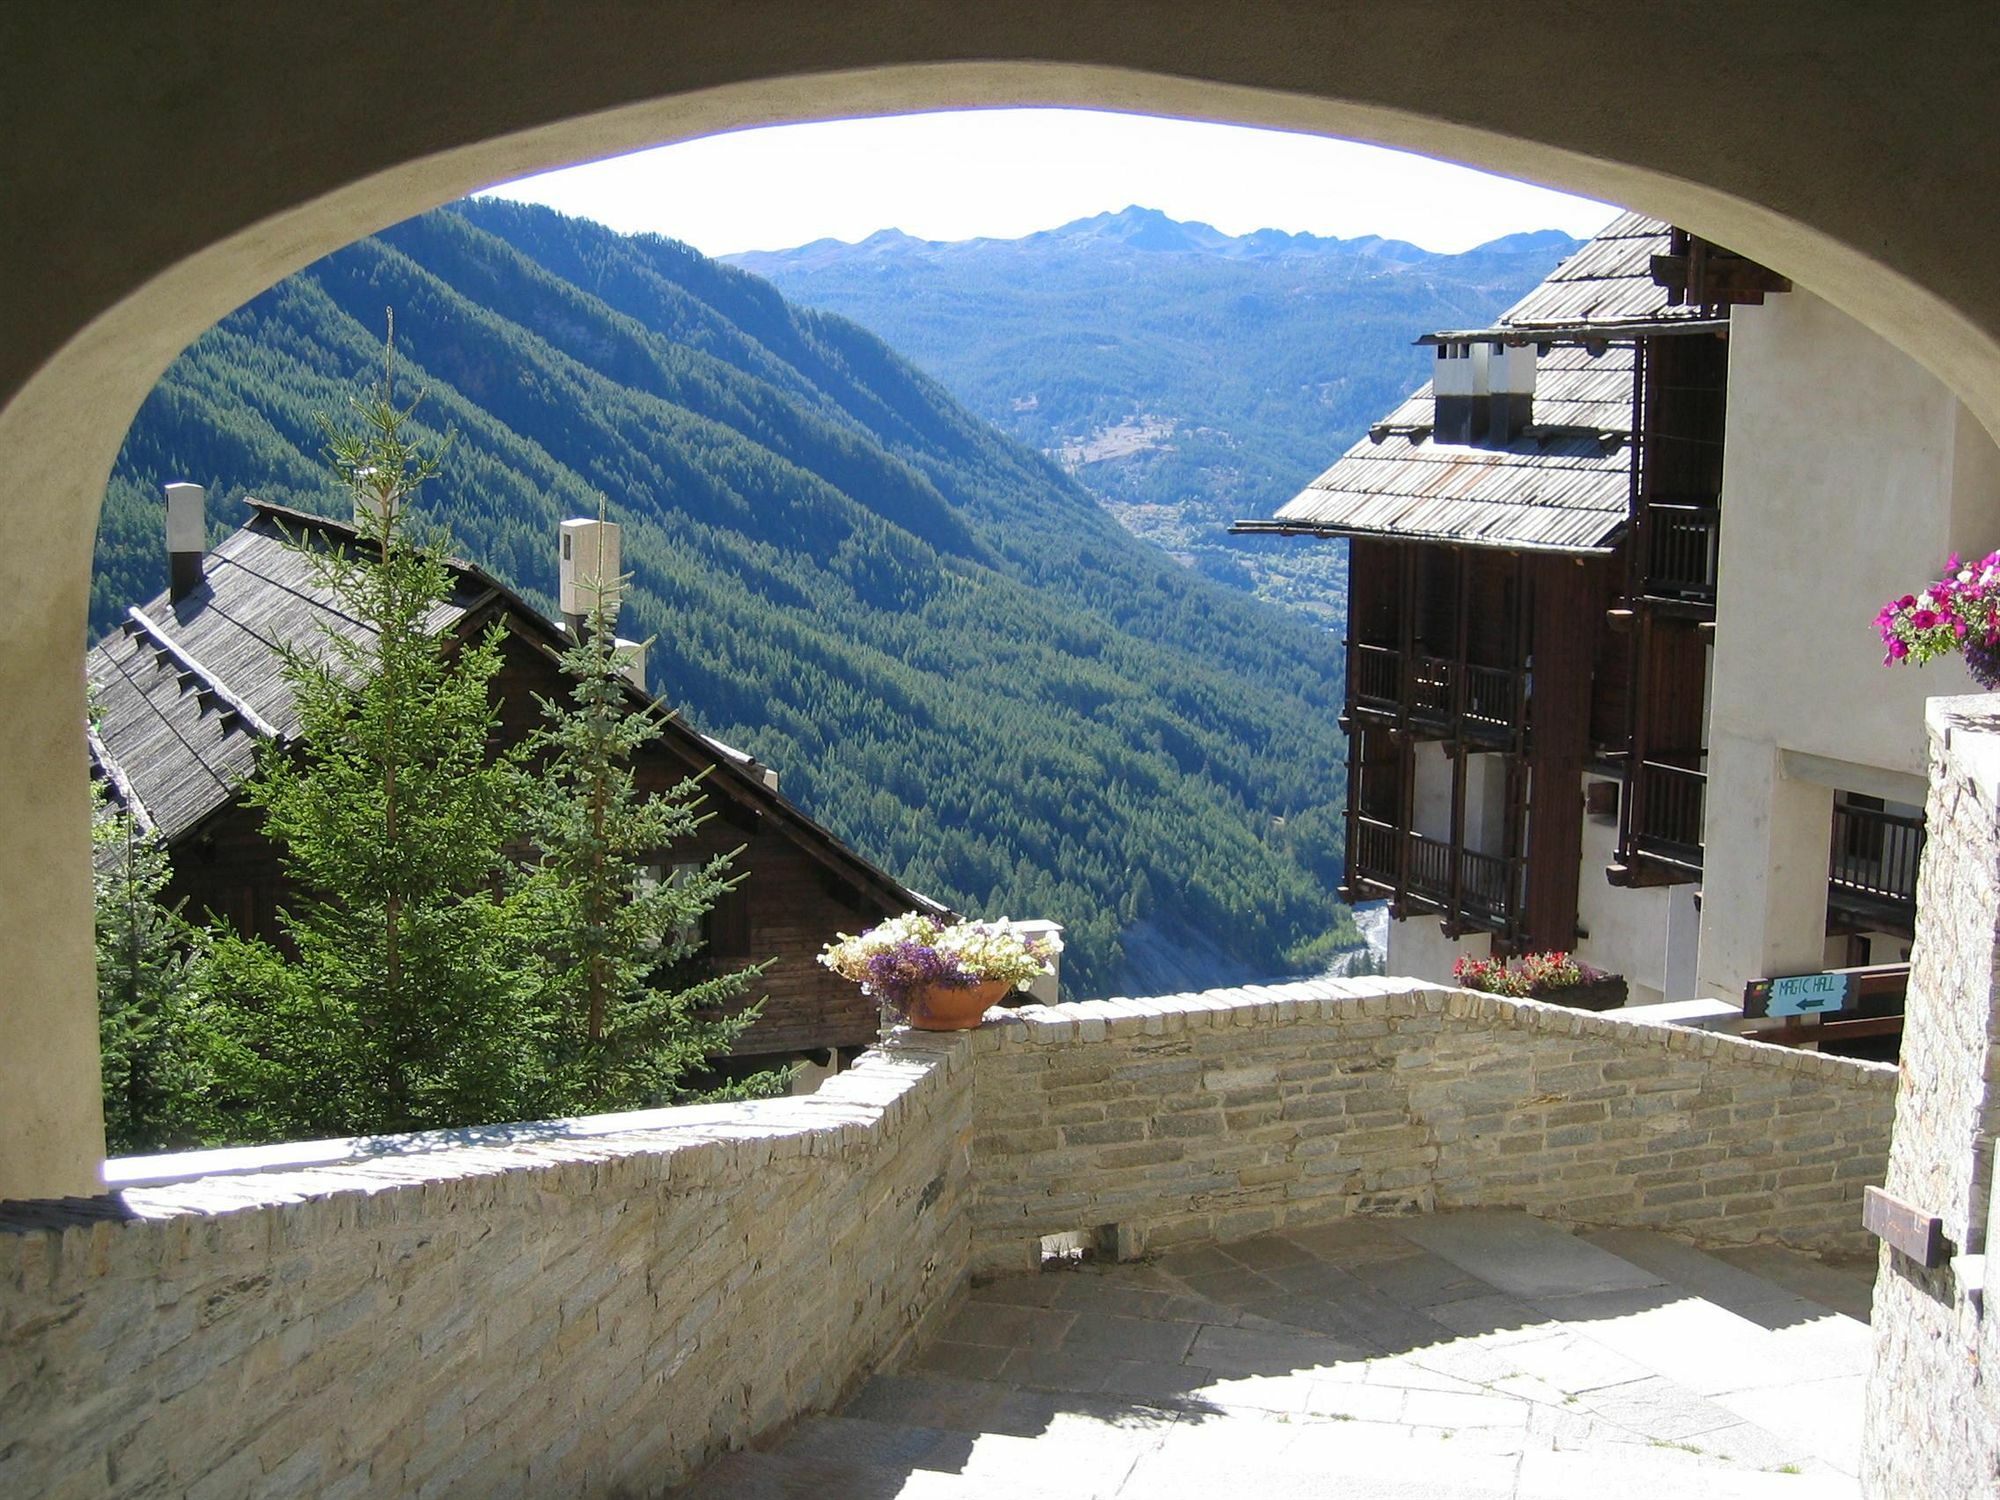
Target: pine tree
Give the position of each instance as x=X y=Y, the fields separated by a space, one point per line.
x=148 y=960
x=407 y=999
x=621 y=920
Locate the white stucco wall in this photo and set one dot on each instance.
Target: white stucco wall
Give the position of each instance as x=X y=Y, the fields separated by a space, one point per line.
x=1431 y=802
x=1485 y=797
x=1849 y=473
x=1646 y=934
x=1418 y=949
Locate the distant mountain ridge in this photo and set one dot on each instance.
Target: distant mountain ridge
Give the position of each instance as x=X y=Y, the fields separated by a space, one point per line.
x=955 y=658
x=1139 y=228
x=1185 y=376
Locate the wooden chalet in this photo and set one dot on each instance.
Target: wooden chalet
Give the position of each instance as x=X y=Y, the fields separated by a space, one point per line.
x=1533 y=541
x=191 y=683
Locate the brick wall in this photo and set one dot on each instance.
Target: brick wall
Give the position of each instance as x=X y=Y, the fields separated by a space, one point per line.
x=1933 y=1416
x=556 y=1316
x=1222 y=1115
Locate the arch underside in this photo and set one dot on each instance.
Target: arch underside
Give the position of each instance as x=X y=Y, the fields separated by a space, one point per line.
x=159 y=169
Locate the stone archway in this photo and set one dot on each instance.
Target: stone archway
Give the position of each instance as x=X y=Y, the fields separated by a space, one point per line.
x=157 y=169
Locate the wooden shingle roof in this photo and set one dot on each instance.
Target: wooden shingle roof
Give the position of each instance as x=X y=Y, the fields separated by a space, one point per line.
x=1606 y=283
x=185 y=690
x=1565 y=483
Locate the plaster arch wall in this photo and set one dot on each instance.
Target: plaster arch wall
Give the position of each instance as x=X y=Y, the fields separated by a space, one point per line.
x=160 y=166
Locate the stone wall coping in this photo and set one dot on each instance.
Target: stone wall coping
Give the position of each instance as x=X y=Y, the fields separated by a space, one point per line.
x=1319 y=1000
x=1967 y=729
x=866 y=1099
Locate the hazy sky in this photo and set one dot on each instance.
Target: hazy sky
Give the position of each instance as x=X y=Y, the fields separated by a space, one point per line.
x=1009 y=172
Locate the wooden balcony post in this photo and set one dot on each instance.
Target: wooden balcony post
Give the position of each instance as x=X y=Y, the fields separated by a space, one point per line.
x=1406 y=823
x=1357 y=768
x=1406 y=634
x=1458 y=831
x=1459 y=667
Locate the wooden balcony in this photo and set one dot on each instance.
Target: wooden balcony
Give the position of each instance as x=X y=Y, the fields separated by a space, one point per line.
x=1664 y=817
x=1872 y=867
x=1436 y=694
x=1682 y=541
x=1468 y=888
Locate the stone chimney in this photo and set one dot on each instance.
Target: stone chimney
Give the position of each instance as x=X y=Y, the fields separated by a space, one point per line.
x=187 y=538
x=587 y=560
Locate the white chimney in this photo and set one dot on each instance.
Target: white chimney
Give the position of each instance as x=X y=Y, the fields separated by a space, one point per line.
x=1459 y=384
x=587 y=562
x=1511 y=370
x=369 y=504
x=1046 y=990
x=632 y=656
x=187 y=538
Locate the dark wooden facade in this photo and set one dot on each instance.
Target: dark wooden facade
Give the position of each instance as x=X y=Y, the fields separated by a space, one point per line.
x=1680 y=402
x=1561 y=663
x=1481 y=652
x=801 y=885
x=1531 y=608
x=789 y=905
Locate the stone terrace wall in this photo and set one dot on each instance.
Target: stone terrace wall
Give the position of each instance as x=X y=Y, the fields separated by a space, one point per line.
x=1219 y=1116
x=1933 y=1418
x=552 y=1316
x=598 y=1307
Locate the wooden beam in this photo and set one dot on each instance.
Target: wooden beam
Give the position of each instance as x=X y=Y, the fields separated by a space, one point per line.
x=1905 y=1229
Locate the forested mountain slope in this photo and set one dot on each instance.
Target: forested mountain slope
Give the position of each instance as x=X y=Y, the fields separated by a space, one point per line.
x=955 y=657
x=1185 y=376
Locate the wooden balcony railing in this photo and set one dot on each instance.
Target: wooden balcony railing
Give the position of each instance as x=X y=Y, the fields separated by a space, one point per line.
x=1373 y=854
x=1666 y=813
x=1431 y=689
x=1430 y=869
x=1872 y=869
x=1494 y=696
x=1478 y=889
x=1486 y=887
x=1435 y=690
x=1681 y=549
x=1374 y=676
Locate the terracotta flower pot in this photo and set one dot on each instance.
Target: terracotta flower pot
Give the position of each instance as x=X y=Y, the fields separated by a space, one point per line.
x=954 y=1008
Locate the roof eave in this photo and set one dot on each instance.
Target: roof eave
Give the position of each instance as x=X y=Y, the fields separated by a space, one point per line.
x=1581 y=332
x=1375 y=533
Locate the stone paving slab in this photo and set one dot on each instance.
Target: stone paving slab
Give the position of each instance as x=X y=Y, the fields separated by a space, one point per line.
x=1848 y=1289
x=1815 y=1339
x=1095 y=1462
x=1453 y=1357
x=1525 y=1257
x=1749 y=1369
x=1658 y=1474
x=1276 y=1461
x=771 y=1476
x=1693 y=1343
x=990 y=1406
x=1730 y=1287
x=1824 y=1416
